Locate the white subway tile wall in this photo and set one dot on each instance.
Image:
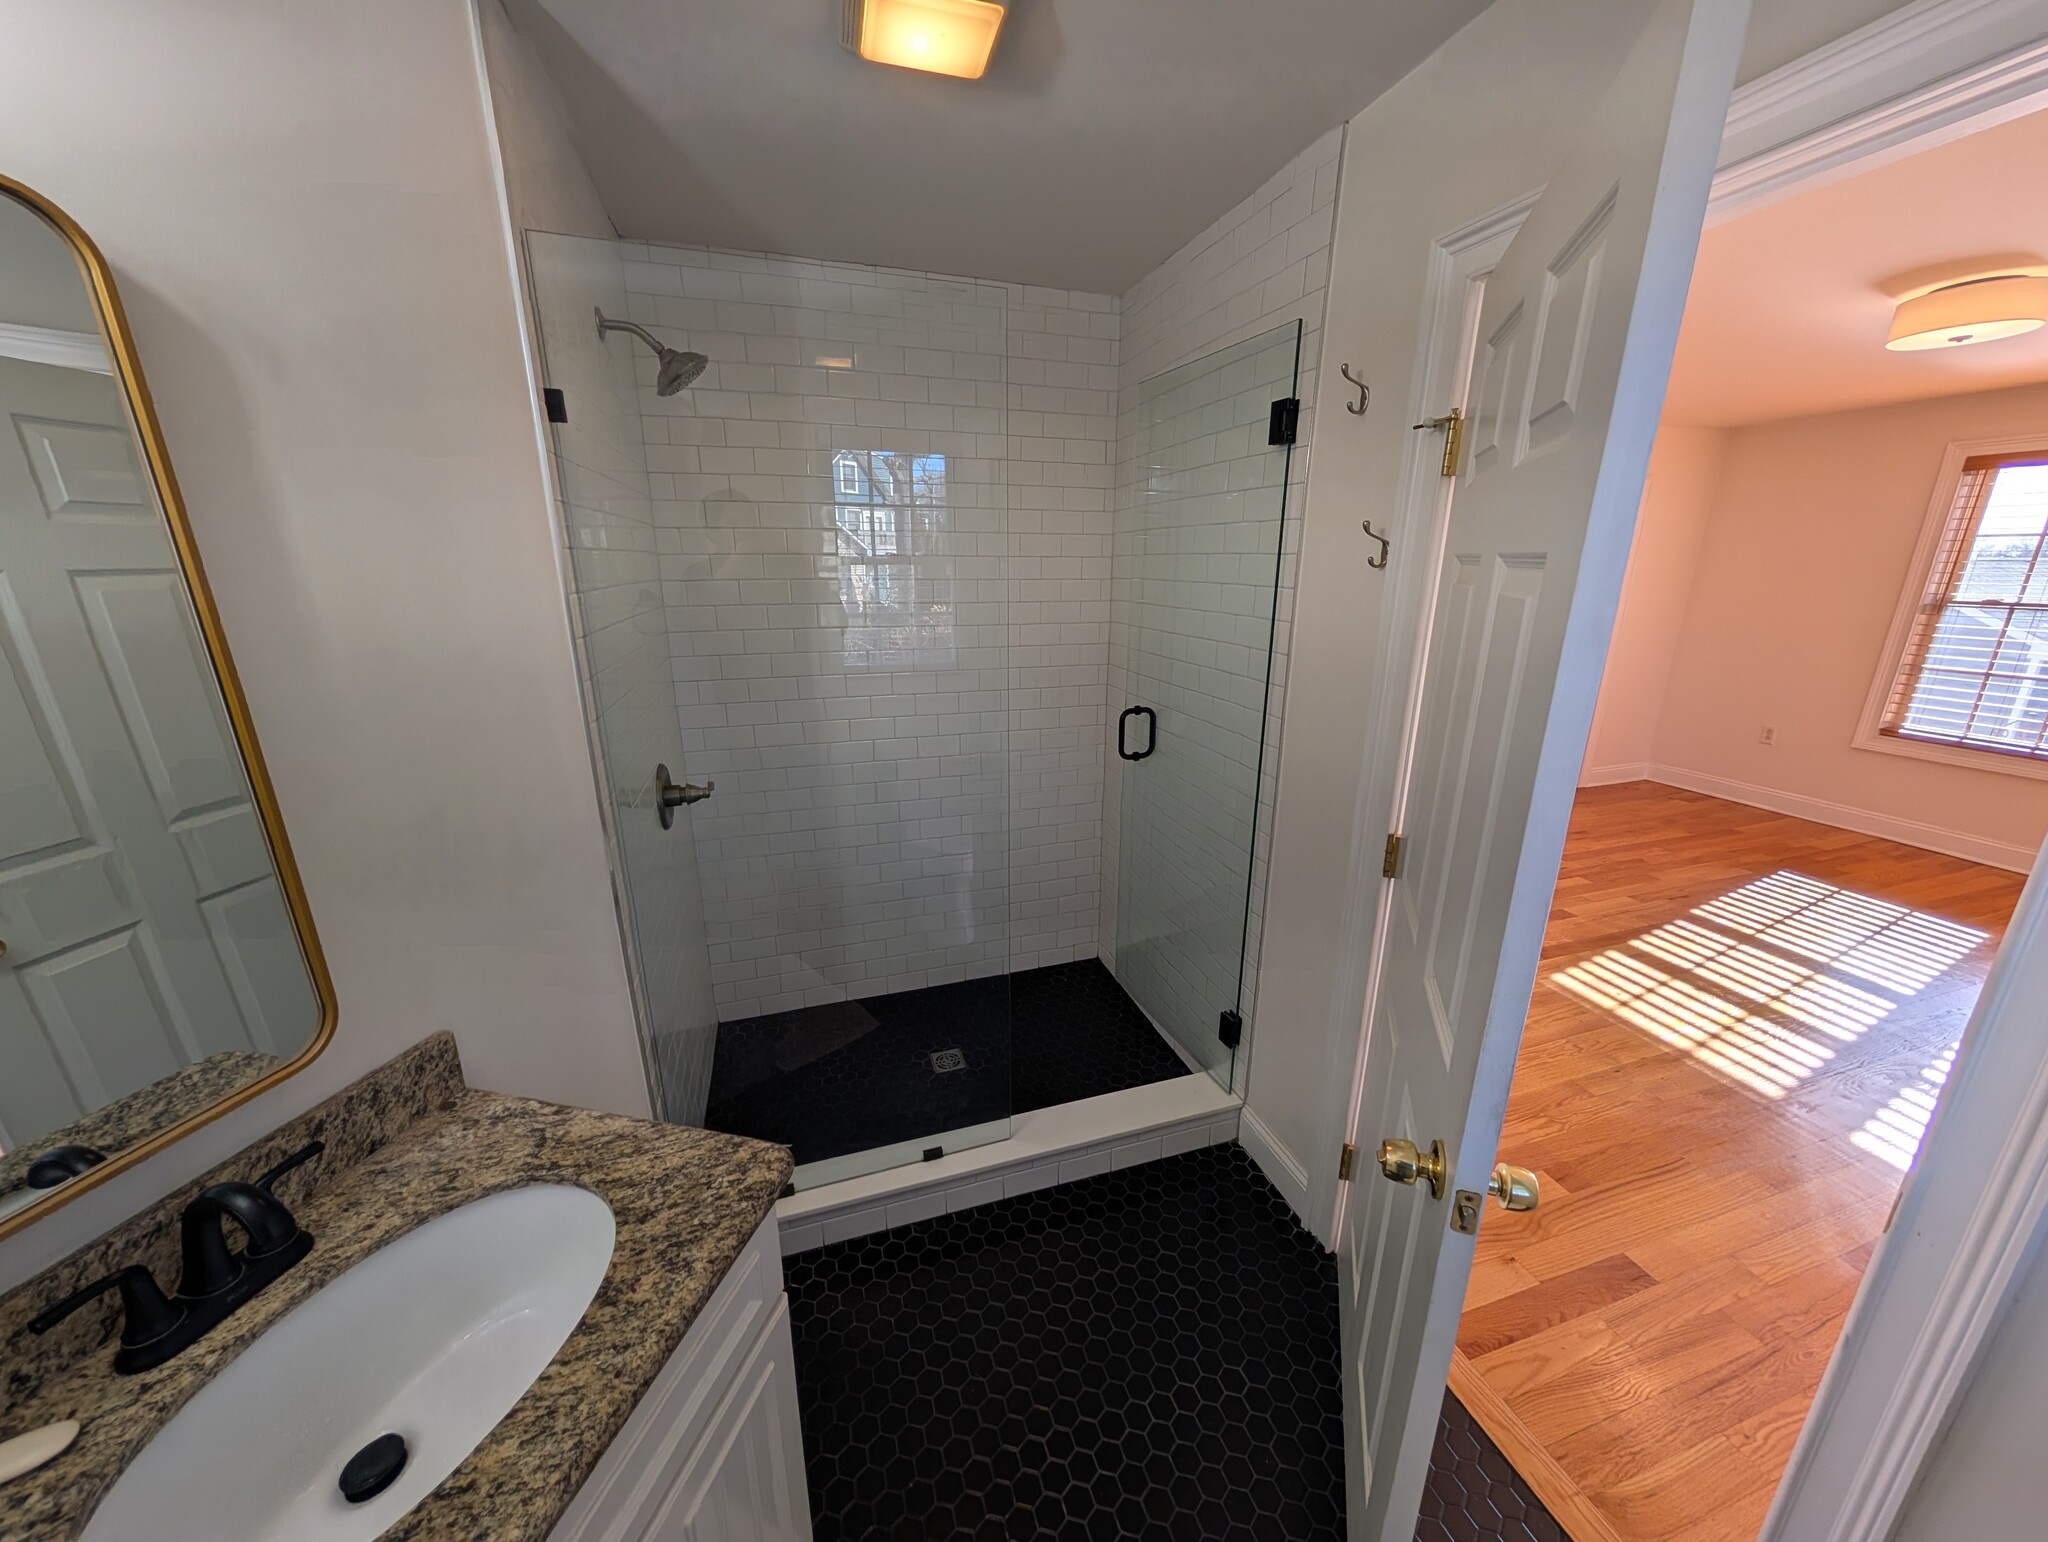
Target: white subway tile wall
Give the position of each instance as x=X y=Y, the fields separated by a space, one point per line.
x=884 y=524
x=1265 y=262
x=1062 y=407
x=622 y=629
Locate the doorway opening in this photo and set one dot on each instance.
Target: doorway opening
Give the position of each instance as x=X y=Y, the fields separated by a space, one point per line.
x=1814 y=785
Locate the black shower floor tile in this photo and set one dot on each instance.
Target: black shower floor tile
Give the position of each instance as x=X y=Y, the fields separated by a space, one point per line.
x=855 y=1075
x=1150 y=1354
x=1076 y=1033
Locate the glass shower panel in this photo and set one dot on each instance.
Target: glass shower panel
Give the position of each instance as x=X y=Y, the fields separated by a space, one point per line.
x=827 y=504
x=1196 y=563
x=608 y=523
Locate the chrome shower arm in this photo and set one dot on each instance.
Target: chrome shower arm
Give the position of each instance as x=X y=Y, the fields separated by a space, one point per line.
x=605 y=324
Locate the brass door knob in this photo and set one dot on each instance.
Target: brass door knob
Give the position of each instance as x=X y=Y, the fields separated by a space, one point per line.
x=1515 y=1187
x=1405 y=1162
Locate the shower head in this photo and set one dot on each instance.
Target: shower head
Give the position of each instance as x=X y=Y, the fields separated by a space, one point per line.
x=677 y=370
x=678 y=367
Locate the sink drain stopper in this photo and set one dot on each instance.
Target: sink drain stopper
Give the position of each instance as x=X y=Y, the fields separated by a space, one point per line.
x=373 y=1469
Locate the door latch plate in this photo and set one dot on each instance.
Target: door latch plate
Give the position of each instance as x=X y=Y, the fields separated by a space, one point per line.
x=1465 y=1212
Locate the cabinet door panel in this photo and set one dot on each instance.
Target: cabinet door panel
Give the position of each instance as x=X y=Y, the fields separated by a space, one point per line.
x=745 y=1481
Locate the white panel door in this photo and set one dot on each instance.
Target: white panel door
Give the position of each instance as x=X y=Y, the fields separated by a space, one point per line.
x=1574 y=345
x=143 y=922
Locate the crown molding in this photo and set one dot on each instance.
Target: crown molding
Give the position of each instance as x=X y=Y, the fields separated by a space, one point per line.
x=1930 y=71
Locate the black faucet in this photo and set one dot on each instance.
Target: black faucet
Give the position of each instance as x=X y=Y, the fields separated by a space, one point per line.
x=60 y=1164
x=214 y=1281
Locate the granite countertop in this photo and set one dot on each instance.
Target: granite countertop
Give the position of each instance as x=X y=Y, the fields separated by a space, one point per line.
x=685 y=1201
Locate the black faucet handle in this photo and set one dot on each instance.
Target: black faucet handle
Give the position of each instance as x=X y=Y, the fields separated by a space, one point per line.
x=146 y=1313
x=299 y=1158
x=60 y=1164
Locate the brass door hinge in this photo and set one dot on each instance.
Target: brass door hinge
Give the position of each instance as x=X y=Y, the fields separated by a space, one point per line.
x=1344 y=1160
x=1390 y=864
x=1452 y=426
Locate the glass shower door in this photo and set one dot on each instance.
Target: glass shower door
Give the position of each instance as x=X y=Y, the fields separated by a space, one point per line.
x=1195 y=575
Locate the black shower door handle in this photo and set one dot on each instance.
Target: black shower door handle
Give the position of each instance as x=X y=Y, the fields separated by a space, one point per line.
x=1151 y=732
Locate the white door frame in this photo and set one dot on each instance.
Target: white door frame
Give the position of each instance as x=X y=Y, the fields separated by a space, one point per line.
x=1927 y=73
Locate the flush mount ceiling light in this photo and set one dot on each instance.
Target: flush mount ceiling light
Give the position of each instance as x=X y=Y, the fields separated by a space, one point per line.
x=945 y=37
x=1975 y=312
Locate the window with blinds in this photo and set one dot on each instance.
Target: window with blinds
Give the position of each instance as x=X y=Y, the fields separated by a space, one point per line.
x=1975 y=670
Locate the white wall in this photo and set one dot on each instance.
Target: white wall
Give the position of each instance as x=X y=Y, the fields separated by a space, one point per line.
x=546 y=182
x=1264 y=263
x=1671 y=527
x=1785 y=547
x=300 y=207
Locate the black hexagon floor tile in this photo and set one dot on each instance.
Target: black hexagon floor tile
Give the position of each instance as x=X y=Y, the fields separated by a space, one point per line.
x=854 y=1075
x=1149 y=1354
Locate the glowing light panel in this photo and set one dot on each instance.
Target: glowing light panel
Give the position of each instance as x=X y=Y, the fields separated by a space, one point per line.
x=945 y=37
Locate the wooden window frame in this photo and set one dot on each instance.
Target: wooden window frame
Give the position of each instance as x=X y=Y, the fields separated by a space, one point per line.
x=1930 y=551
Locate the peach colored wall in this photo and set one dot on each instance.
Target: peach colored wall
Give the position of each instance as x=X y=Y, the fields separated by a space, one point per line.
x=1801 y=560
x=1685 y=473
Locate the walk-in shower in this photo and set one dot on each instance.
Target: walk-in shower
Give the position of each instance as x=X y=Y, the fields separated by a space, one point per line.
x=960 y=646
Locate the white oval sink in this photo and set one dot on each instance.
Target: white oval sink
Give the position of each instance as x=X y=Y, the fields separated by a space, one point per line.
x=433 y=1338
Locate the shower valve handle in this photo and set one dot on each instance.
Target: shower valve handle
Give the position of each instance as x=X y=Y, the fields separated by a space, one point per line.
x=675 y=795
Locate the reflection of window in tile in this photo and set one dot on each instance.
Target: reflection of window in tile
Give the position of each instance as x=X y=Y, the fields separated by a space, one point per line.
x=895 y=561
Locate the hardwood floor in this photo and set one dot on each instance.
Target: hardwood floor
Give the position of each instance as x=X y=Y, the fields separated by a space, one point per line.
x=1739 y=1027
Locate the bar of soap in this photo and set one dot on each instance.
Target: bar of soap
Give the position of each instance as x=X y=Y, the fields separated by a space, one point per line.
x=25 y=1453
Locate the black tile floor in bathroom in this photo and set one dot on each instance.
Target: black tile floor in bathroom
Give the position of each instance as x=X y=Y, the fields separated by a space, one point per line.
x=855 y=1075
x=1149 y=1354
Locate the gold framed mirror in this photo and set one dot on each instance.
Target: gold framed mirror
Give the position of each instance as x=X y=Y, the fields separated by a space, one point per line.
x=158 y=963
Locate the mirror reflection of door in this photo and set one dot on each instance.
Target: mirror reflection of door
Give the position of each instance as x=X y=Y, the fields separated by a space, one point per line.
x=149 y=953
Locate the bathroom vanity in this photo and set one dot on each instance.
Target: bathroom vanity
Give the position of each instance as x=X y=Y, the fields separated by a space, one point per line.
x=450 y=1226
x=713 y=1453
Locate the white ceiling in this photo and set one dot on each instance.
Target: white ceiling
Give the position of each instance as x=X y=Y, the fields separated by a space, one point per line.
x=1790 y=304
x=1105 y=134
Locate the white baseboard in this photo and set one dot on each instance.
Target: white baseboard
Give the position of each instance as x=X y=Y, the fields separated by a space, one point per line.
x=1909 y=832
x=1281 y=1167
x=1607 y=776
x=1047 y=1146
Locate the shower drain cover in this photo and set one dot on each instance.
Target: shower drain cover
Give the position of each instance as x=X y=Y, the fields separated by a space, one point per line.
x=944 y=1060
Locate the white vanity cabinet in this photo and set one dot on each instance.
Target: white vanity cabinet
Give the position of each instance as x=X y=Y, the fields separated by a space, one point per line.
x=713 y=1453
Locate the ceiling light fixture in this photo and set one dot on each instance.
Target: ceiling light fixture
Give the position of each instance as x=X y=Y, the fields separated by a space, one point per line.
x=944 y=37
x=1975 y=312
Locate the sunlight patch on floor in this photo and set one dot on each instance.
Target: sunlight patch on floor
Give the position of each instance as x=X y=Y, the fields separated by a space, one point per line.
x=1894 y=1132
x=1764 y=984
